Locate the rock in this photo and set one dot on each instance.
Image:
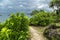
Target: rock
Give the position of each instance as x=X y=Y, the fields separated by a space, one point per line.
x=52 y=33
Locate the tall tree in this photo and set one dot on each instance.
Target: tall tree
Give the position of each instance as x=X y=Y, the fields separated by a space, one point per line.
x=56 y=5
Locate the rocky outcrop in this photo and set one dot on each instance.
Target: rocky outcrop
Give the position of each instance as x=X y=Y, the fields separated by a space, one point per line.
x=52 y=32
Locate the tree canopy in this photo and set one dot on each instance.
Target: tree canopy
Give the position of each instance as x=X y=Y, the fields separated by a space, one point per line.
x=55 y=4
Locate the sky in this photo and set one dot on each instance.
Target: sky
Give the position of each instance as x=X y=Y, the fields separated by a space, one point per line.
x=10 y=6
x=22 y=5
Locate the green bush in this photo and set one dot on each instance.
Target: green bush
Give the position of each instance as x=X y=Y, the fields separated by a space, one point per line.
x=42 y=18
x=52 y=32
x=1 y=26
x=4 y=34
x=16 y=27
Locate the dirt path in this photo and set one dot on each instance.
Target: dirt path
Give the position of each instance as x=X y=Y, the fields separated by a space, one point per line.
x=35 y=35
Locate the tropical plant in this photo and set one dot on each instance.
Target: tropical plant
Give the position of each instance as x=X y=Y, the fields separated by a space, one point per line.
x=42 y=18
x=16 y=27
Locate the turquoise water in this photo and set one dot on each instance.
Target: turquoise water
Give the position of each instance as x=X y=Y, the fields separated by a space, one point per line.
x=26 y=6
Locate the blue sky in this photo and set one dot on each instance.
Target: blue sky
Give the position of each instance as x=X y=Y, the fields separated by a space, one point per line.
x=8 y=6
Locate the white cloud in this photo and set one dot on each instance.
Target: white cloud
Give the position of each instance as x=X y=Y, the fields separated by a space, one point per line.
x=21 y=5
x=39 y=4
x=10 y=6
x=42 y=5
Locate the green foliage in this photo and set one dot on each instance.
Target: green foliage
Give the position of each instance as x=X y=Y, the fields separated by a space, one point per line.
x=1 y=26
x=4 y=34
x=52 y=32
x=16 y=27
x=56 y=5
x=36 y=11
x=42 y=18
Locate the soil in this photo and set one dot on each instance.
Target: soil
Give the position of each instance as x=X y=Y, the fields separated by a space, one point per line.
x=35 y=34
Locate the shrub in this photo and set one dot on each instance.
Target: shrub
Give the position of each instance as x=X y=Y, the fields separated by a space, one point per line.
x=4 y=34
x=42 y=18
x=51 y=32
x=1 y=26
x=18 y=26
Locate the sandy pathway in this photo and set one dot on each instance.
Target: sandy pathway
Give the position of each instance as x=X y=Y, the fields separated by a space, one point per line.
x=35 y=35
